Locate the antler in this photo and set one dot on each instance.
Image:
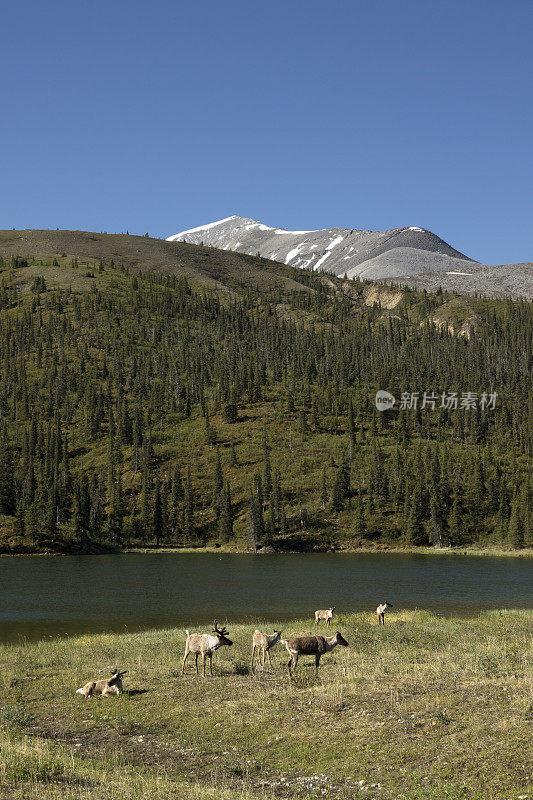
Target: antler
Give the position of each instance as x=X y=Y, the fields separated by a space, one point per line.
x=216 y=629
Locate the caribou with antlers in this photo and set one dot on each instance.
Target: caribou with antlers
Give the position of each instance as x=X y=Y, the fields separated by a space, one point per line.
x=104 y=687
x=205 y=644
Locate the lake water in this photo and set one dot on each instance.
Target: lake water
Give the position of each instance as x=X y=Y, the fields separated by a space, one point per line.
x=42 y=597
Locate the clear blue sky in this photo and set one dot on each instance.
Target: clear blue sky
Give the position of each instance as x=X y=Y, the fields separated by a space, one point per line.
x=164 y=115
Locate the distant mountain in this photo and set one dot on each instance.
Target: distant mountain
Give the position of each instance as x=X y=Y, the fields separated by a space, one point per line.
x=505 y=280
x=357 y=253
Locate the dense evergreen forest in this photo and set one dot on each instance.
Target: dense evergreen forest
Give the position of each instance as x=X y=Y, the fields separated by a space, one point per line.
x=142 y=408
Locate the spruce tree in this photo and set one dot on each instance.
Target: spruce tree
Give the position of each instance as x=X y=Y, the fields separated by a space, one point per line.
x=226 y=516
x=324 y=493
x=176 y=498
x=218 y=483
x=8 y=493
x=455 y=522
x=157 y=519
x=415 y=533
x=82 y=511
x=351 y=430
x=116 y=510
x=267 y=469
x=188 y=511
x=256 y=519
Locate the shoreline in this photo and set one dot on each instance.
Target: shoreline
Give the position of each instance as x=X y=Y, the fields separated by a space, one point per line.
x=463 y=551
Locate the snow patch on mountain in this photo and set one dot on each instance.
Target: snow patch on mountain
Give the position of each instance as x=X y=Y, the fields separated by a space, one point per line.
x=321 y=260
x=200 y=228
x=335 y=242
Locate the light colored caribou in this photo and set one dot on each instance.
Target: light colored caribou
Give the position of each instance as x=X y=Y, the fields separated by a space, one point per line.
x=325 y=614
x=380 y=611
x=311 y=646
x=205 y=644
x=264 y=643
x=103 y=688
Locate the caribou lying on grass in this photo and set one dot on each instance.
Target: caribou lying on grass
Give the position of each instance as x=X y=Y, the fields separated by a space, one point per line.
x=311 y=646
x=103 y=688
x=380 y=611
x=205 y=644
x=264 y=644
x=325 y=614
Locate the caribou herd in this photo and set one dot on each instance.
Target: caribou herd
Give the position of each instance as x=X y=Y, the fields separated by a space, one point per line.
x=206 y=644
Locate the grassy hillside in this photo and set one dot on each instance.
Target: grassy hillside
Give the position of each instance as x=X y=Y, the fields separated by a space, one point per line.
x=424 y=708
x=171 y=394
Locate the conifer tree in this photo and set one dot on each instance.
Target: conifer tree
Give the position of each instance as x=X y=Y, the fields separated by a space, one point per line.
x=226 y=516
x=516 y=530
x=275 y=503
x=188 y=511
x=82 y=511
x=256 y=519
x=324 y=493
x=157 y=520
x=7 y=478
x=415 y=533
x=176 y=498
x=116 y=510
x=351 y=430
x=338 y=493
x=218 y=483
x=455 y=522
x=267 y=469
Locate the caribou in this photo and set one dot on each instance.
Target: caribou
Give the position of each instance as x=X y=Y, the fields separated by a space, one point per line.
x=264 y=643
x=311 y=646
x=325 y=614
x=205 y=644
x=380 y=611
x=103 y=688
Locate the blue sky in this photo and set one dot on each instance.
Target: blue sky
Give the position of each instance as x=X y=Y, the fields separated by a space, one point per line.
x=162 y=116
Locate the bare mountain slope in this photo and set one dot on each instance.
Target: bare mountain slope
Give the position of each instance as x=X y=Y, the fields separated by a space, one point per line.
x=506 y=280
x=357 y=253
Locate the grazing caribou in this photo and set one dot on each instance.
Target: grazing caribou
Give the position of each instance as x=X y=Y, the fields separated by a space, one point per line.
x=103 y=688
x=264 y=643
x=205 y=644
x=325 y=614
x=380 y=611
x=311 y=646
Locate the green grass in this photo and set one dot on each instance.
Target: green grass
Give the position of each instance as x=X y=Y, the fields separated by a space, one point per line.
x=425 y=708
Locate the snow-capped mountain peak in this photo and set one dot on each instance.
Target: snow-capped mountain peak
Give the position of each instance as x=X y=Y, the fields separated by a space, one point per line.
x=356 y=253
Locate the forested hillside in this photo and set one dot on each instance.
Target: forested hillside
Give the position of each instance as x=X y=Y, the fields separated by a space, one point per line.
x=187 y=397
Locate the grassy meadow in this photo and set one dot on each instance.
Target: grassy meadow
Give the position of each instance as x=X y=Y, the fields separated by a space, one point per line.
x=426 y=707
